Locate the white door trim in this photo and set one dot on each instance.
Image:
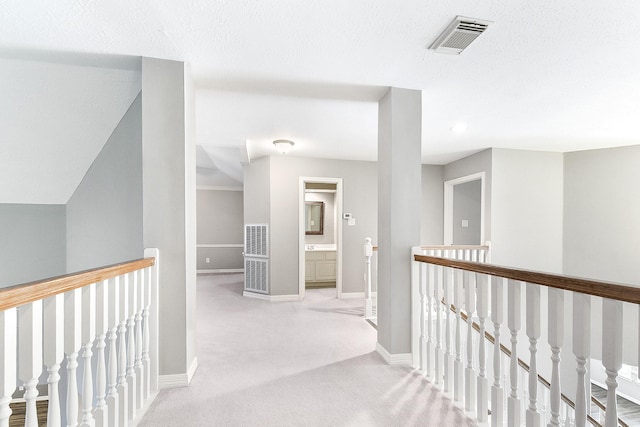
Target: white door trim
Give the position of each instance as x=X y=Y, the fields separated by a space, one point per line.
x=448 y=204
x=301 y=253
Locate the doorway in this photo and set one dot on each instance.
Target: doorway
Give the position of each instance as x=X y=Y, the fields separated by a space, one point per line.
x=320 y=234
x=464 y=210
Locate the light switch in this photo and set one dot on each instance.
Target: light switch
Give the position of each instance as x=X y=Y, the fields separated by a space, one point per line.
x=465 y=222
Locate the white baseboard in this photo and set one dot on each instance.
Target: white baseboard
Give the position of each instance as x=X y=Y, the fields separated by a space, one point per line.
x=271 y=298
x=173 y=381
x=394 y=359
x=352 y=295
x=178 y=380
x=192 y=370
x=355 y=295
x=221 y=270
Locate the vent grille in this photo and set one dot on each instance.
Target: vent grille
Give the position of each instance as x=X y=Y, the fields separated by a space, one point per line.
x=459 y=35
x=256 y=278
x=256 y=240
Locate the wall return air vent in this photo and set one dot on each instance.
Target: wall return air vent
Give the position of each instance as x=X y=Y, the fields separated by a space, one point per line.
x=459 y=34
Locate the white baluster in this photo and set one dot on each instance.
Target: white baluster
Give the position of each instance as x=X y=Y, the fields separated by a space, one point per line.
x=131 y=346
x=9 y=342
x=439 y=353
x=113 y=318
x=30 y=356
x=102 y=325
x=533 y=332
x=483 y=381
x=72 y=343
x=368 y=302
x=430 y=285
x=458 y=372
x=138 y=363
x=556 y=339
x=497 y=308
x=53 y=353
x=513 y=308
x=448 y=367
x=470 y=375
x=611 y=354
x=88 y=336
x=122 y=388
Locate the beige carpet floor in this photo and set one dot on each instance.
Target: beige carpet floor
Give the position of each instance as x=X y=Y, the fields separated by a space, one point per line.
x=308 y=363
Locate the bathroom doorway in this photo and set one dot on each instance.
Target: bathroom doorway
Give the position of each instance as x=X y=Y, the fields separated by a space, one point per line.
x=320 y=234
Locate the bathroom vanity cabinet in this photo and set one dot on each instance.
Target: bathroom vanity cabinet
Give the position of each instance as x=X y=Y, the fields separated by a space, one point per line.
x=320 y=266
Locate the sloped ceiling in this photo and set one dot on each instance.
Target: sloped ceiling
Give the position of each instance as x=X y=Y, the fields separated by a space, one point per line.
x=55 y=117
x=546 y=75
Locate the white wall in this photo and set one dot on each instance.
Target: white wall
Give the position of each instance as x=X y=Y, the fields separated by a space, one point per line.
x=33 y=242
x=104 y=214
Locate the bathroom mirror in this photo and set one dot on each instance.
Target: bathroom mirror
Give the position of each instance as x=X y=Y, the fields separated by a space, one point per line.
x=314 y=218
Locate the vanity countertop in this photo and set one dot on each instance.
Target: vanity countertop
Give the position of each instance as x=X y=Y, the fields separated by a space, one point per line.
x=320 y=247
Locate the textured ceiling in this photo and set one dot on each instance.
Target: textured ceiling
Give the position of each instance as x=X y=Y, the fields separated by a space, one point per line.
x=547 y=75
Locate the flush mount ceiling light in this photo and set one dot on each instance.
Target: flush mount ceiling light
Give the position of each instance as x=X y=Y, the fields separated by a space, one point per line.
x=459 y=127
x=283 y=145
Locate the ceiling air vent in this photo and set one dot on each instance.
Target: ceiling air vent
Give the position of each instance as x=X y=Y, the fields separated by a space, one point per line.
x=459 y=34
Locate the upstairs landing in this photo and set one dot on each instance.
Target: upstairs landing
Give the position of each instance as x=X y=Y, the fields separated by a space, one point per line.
x=308 y=363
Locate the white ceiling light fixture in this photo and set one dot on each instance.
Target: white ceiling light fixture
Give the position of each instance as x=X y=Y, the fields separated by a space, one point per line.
x=459 y=127
x=283 y=145
x=459 y=35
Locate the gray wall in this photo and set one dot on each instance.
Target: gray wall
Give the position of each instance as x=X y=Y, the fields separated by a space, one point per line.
x=104 y=214
x=32 y=242
x=467 y=207
x=431 y=213
x=526 y=201
x=168 y=206
x=220 y=221
x=479 y=162
x=601 y=216
x=278 y=206
x=257 y=191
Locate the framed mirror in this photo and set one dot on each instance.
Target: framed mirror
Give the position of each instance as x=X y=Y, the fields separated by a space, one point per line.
x=314 y=218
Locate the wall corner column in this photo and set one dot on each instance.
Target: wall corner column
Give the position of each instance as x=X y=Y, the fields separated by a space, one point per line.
x=399 y=200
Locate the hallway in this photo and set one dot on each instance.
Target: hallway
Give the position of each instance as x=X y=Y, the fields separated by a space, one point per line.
x=310 y=363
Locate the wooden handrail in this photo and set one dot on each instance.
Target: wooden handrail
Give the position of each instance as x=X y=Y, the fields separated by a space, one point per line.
x=614 y=291
x=18 y=295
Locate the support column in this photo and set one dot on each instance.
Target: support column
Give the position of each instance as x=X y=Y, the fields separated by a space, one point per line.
x=399 y=196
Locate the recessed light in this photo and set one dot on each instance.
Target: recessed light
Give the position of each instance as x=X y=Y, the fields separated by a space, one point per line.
x=459 y=127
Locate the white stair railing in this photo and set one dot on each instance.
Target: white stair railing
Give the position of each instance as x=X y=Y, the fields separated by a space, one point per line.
x=521 y=397
x=67 y=317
